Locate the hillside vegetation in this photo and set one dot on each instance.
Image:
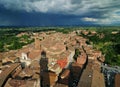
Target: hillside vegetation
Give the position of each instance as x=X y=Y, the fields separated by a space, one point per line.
x=107 y=42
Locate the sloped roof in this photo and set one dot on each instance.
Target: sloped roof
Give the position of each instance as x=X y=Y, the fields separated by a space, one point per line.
x=82 y=59
x=62 y=62
x=34 y=54
x=4 y=75
x=117 y=80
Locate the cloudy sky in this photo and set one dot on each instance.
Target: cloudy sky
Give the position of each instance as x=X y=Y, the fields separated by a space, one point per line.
x=59 y=12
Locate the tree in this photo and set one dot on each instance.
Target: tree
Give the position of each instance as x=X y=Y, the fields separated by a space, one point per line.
x=77 y=53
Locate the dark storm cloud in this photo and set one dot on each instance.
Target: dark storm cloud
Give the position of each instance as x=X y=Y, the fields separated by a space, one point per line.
x=92 y=11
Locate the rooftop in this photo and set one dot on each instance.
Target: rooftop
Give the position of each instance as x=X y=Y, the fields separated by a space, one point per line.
x=86 y=78
x=117 y=80
x=4 y=75
x=97 y=79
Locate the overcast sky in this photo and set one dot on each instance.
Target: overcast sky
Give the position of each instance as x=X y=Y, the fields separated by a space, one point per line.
x=59 y=12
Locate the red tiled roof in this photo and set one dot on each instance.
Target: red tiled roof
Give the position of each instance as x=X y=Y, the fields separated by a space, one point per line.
x=23 y=50
x=81 y=59
x=62 y=62
x=16 y=83
x=34 y=54
x=4 y=75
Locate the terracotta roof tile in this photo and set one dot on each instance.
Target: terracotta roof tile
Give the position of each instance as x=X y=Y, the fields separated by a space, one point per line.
x=34 y=54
